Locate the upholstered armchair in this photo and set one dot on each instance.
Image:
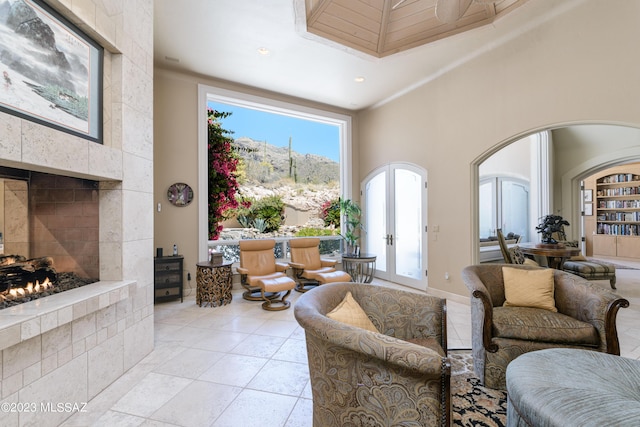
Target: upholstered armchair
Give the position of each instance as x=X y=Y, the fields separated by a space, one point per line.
x=309 y=269
x=585 y=319
x=395 y=374
x=262 y=277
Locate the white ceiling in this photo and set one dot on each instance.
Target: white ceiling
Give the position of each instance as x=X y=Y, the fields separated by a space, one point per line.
x=221 y=38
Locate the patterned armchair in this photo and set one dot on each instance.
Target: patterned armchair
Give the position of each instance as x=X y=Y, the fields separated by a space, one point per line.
x=360 y=377
x=585 y=318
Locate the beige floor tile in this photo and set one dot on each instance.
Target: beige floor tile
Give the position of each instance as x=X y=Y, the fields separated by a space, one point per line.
x=293 y=350
x=302 y=414
x=184 y=410
x=234 y=369
x=281 y=377
x=259 y=346
x=153 y=391
x=190 y=363
x=257 y=408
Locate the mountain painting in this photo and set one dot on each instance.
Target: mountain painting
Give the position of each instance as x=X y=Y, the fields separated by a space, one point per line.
x=46 y=69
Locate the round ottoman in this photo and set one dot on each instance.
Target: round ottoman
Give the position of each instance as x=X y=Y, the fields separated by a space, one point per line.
x=567 y=387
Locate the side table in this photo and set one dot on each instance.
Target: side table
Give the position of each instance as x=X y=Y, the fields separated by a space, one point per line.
x=213 y=283
x=360 y=267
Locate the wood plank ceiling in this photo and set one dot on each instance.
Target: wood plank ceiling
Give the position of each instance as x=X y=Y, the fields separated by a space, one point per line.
x=384 y=27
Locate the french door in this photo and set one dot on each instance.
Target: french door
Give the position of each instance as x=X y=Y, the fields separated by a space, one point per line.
x=395 y=206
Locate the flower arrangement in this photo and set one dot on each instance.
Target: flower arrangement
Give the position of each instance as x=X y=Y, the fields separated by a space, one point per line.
x=223 y=177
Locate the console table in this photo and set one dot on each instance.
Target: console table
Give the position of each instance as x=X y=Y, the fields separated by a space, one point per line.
x=213 y=283
x=360 y=267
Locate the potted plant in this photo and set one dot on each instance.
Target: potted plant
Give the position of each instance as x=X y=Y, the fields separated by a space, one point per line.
x=351 y=213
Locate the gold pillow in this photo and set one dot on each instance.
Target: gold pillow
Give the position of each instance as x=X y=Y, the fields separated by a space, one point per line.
x=350 y=312
x=528 y=288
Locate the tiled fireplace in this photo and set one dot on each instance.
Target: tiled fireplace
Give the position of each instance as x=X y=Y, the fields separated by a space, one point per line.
x=66 y=348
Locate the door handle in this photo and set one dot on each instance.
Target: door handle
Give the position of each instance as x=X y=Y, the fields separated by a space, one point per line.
x=390 y=240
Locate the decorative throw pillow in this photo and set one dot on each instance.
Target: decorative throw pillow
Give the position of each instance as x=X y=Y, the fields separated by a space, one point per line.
x=518 y=257
x=350 y=312
x=529 y=288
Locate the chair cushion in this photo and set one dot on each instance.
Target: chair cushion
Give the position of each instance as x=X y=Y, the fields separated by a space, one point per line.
x=589 y=268
x=350 y=312
x=529 y=288
x=277 y=284
x=327 y=275
x=255 y=280
x=535 y=324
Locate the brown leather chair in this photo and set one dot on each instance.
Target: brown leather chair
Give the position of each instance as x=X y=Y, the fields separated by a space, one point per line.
x=309 y=269
x=262 y=277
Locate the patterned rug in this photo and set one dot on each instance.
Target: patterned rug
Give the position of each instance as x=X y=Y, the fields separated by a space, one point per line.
x=473 y=404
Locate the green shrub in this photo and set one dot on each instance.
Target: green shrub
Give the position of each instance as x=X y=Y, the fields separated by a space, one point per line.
x=269 y=210
x=312 y=232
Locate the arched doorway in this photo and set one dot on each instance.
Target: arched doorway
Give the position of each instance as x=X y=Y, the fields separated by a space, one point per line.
x=573 y=153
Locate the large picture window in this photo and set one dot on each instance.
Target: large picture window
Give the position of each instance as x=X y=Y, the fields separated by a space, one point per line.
x=276 y=157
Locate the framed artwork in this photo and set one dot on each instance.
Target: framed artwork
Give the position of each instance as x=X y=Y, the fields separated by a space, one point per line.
x=51 y=71
x=180 y=194
x=588 y=209
x=587 y=195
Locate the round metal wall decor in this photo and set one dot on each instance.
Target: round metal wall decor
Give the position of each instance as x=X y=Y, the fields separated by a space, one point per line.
x=180 y=194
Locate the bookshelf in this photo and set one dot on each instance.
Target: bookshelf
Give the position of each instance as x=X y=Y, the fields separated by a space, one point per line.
x=617 y=205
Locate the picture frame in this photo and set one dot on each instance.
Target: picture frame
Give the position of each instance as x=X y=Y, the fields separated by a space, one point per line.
x=587 y=195
x=51 y=72
x=588 y=209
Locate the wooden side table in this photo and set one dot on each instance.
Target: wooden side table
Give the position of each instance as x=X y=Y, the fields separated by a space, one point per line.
x=213 y=283
x=360 y=267
x=556 y=254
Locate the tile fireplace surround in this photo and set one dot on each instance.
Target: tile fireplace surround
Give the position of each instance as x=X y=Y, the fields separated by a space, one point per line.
x=68 y=347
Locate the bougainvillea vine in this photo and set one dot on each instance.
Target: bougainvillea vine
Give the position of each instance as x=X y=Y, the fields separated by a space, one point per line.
x=223 y=165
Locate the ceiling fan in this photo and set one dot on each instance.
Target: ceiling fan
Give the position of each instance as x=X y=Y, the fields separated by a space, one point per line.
x=449 y=11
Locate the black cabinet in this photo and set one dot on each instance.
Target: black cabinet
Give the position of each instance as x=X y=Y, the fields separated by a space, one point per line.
x=168 y=282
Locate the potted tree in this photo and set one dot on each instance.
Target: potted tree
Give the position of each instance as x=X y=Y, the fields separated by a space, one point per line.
x=351 y=213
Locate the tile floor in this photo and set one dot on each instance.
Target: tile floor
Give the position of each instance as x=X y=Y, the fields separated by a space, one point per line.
x=239 y=365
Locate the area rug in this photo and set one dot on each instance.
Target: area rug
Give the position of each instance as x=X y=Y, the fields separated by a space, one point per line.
x=472 y=404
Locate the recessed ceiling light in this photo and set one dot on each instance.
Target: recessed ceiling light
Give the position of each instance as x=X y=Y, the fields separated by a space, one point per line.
x=263 y=51
x=359 y=79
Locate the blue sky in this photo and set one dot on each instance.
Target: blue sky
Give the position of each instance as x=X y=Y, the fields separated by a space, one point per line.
x=307 y=136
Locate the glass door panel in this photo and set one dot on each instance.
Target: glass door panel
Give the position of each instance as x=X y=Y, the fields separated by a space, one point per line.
x=408 y=224
x=375 y=224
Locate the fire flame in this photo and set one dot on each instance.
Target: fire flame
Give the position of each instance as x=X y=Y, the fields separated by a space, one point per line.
x=30 y=289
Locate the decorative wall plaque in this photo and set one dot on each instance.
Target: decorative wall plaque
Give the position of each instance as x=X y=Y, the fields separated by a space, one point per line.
x=180 y=194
